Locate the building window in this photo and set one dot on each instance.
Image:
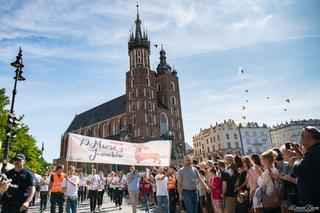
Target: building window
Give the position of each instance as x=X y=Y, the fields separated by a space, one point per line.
x=229 y=145
x=158 y=87
x=163 y=123
x=131 y=58
x=261 y=133
x=150 y=119
x=148 y=82
x=254 y=133
x=133 y=120
x=145 y=118
x=246 y=133
x=248 y=142
x=235 y=136
x=133 y=107
x=114 y=128
x=214 y=139
x=104 y=131
x=213 y=148
x=227 y=136
x=208 y=149
x=218 y=138
x=172 y=86
x=129 y=108
x=132 y=82
x=207 y=141
x=173 y=100
x=149 y=106
x=139 y=56
x=136 y=93
x=237 y=145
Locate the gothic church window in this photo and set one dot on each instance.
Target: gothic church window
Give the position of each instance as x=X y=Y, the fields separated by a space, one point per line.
x=173 y=87
x=139 y=56
x=133 y=120
x=132 y=82
x=158 y=87
x=147 y=81
x=163 y=124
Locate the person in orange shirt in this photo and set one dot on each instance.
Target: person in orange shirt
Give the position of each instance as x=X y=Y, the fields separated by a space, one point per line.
x=172 y=188
x=55 y=186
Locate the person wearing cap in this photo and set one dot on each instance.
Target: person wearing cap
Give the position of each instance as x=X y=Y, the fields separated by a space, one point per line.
x=20 y=194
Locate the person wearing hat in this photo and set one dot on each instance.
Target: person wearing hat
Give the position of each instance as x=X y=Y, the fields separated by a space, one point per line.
x=20 y=194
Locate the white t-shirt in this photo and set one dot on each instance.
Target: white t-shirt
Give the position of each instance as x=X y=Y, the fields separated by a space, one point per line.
x=45 y=187
x=123 y=181
x=94 y=182
x=71 y=190
x=162 y=186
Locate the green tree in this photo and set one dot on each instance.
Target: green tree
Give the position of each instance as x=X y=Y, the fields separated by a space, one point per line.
x=23 y=142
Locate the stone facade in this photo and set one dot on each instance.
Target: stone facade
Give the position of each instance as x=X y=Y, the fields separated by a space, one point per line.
x=290 y=131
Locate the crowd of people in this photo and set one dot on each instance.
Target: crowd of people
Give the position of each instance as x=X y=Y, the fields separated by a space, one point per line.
x=283 y=179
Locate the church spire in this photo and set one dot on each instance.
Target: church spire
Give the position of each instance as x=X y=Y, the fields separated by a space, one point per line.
x=137 y=38
x=138 y=25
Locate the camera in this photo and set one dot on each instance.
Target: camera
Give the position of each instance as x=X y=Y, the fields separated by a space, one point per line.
x=12 y=188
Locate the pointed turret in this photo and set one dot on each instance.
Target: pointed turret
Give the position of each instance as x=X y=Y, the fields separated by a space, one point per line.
x=137 y=39
x=163 y=67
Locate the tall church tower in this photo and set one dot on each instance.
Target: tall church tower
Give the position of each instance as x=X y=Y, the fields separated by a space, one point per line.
x=140 y=87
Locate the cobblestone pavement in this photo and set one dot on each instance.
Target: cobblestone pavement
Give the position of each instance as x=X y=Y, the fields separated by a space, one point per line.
x=107 y=206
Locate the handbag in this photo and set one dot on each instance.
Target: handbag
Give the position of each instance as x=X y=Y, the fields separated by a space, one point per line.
x=273 y=200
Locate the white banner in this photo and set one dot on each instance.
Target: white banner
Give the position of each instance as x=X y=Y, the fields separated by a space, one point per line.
x=96 y=150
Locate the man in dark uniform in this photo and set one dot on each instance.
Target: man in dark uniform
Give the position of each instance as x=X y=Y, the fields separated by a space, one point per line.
x=20 y=194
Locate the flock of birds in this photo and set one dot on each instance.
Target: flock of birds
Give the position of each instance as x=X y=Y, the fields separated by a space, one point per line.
x=244 y=107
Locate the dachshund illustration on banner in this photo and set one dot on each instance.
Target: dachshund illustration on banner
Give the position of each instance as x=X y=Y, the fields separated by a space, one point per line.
x=139 y=155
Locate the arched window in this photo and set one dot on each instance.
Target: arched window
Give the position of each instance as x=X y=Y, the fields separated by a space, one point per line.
x=158 y=87
x=139 y=56
x=150 y=119
x=147 y=81
x=132 y=57
x=172 y=86
x=163 y=123
x=149 y=106
x=133 y=107
x=133 y=120
x=132 y=82
x=104 y=130
x=173 y=100
x=114 y=128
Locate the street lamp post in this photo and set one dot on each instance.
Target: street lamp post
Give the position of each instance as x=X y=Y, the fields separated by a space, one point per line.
x=11 y=118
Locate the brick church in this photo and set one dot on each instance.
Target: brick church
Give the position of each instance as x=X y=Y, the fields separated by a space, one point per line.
x=150 y=109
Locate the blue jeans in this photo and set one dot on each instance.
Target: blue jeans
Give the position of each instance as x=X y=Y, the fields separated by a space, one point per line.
x=71 y=205
x=163 y=203
x=147 y=200
x=190 y=198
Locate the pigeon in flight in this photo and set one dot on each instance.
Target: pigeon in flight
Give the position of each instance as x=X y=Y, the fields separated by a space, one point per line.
x=247 y=91
x=268 y=97
x=242 y=71
x=244 y=117
x=285 y=110
x=288 y=100
x=247 y=101
x=243 y=107
x=156 y=45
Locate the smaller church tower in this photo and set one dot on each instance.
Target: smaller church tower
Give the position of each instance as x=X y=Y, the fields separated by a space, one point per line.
x=168 y=96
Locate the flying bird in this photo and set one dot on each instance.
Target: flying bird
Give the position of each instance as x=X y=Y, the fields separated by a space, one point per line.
x=288 y=100
x=247 y=101
x=243 y=107
x=247 y=90
x=156 y=45
x=242 y=71
x=285 y=109
x=268 y=97
x=244 y=117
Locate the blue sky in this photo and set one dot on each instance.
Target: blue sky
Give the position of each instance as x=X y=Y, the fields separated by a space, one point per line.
x=75 y=56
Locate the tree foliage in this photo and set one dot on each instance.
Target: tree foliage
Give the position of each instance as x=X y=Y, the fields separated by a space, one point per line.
x=23 y=143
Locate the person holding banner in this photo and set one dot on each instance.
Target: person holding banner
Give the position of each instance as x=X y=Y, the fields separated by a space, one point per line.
x=93 y=184
x=70 y=188
x=133 y=179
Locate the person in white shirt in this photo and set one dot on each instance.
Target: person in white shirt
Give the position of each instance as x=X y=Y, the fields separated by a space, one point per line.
x=101 y=189
x=93 y=184
x=119 y=189
x=70 y=187
x=162 y=191
x=44 y=188
x=81 y=195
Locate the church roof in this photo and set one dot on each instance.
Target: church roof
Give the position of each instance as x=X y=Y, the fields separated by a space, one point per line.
x=99 y=113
